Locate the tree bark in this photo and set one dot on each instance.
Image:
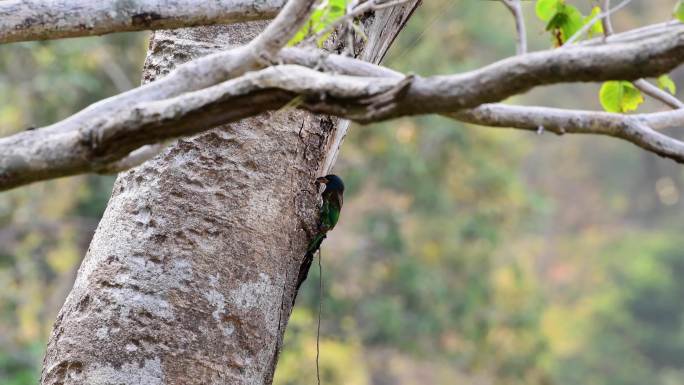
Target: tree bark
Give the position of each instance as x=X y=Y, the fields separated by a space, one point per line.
x=190 y=277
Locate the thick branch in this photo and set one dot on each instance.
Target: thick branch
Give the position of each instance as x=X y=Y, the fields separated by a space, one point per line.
x=205 y=71
x=618 y=61
x=218 y=67
x=637 y=129
x=25 y=20
x=90 y=143
x=632 y=35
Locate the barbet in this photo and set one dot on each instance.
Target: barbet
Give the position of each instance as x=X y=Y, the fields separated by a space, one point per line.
x=329 y=214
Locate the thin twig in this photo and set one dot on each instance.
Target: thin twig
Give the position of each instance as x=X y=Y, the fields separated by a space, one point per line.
x=641 y=84
x=656 y=93
x=607 y=25
x=593 y=21
x=516 y=9
x=320 y=311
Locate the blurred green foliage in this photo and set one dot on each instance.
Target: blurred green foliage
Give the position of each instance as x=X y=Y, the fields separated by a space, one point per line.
x=45 y=228
x=322 y=18
x=463 y=254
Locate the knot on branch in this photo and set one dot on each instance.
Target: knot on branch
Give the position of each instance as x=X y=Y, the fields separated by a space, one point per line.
x=264 y=59
x=94 y=147
x=381 y=104
x=91 y=139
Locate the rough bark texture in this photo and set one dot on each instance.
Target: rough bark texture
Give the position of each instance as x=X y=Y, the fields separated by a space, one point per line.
x=191 y=274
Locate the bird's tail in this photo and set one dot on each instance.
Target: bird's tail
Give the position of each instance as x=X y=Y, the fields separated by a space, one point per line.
x=314 y=245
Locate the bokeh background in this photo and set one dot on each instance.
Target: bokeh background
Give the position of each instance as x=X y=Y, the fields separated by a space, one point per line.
x=464 y=254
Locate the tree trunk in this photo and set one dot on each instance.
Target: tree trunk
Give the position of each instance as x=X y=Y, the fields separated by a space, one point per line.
x=190 y=277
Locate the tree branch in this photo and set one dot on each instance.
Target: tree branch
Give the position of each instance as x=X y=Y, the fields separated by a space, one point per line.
x=25 y=20
x=205 y=71
x=604 y=15
x=92 y=144
x=632 y=35
x=605 y=22
x=656 y=93
x=516 y=10
x=199 y=73
x=637 y=129
x=37 y=20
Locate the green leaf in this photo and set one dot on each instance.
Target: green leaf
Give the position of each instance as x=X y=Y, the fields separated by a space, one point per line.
x=557 y=21
x=597 y=28
x=565 y=23
x=338 y=6
x=546 y=9
x=320 y=19
x=574 y=21
x=620 y=96
x=679 y=11
x=665 y=83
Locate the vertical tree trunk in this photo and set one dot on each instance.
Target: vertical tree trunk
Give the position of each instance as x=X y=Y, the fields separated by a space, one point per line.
x=191 y=275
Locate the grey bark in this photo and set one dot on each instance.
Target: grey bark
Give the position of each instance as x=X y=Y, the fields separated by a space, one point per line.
x=109 y=130
x=24 y=20
x=191 y=275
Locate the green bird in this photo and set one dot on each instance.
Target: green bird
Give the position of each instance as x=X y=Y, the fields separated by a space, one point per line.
x=329 y=214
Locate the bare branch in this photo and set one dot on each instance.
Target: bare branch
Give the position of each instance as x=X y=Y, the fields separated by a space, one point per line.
x=658 y=94
x=605 y=22
x=518 y=74
x=293 y=16
x=603 y=15
x=634 y=34
x=637 y=129
x=93 y=144
x=215 y=68
x=260 y=50
x=24 y=20
x=516 y=9
x=208 y=70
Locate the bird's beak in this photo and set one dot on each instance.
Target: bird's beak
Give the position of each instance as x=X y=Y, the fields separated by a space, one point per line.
x=321 y=179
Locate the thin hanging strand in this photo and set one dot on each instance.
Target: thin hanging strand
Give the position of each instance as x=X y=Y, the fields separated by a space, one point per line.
x=320 y=310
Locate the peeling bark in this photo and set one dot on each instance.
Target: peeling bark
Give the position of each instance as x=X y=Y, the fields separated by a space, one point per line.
x=191 y=274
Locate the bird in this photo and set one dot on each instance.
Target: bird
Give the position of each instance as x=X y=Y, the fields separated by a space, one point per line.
x=333 y=197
